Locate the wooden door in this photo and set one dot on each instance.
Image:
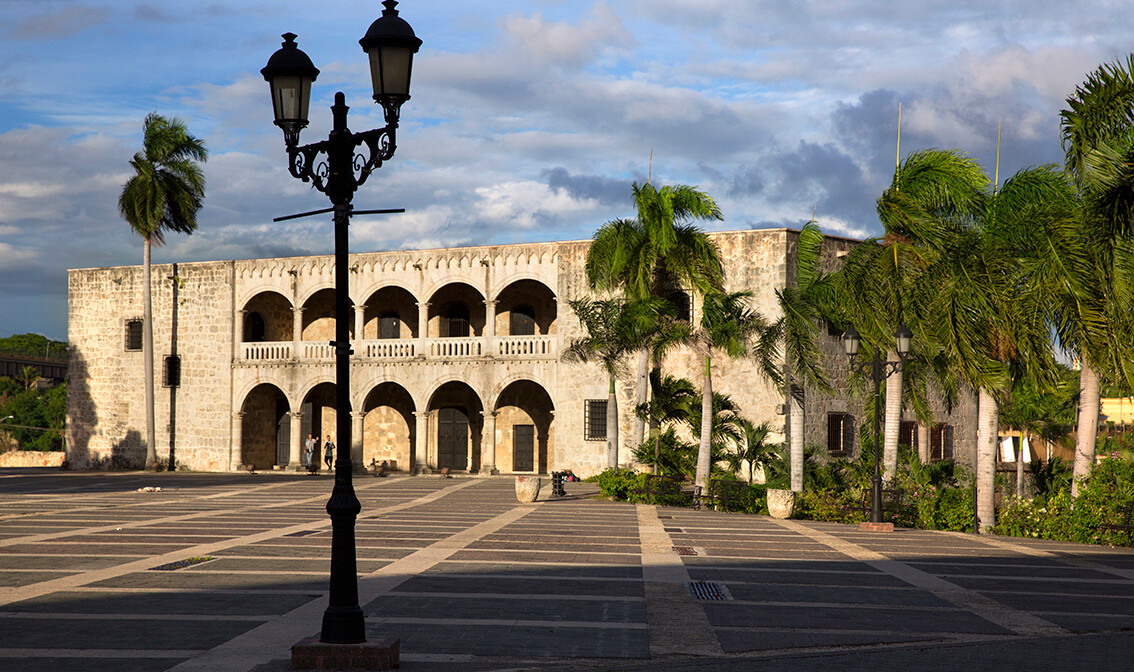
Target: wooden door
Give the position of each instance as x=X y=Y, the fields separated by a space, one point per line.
x=452 y=438
x=523 y=448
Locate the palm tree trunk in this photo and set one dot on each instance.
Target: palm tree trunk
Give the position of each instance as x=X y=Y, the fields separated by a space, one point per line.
x=612 y=427
x=1088 y=426
x=795 y=429
x=641 y=391
x=704 y=451
x=148 y=354
x=987 y=429
x=1020 y=467
x=892 y=426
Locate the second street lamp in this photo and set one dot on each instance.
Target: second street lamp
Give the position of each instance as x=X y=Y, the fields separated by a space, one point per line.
x=334 y=168
x=880 y=370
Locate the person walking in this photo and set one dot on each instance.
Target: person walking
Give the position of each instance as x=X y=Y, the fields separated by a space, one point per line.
x=308 y=450
x=329 y=453
x=312 y=455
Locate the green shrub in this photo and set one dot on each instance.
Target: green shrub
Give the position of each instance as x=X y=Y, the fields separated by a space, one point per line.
x=832 y=506
x=616 y=483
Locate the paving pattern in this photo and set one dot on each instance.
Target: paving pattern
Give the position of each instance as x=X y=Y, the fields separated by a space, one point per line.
x=225 y=572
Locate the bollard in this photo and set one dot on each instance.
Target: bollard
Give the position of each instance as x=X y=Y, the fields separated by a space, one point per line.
x=976 y=518
x=557 y=489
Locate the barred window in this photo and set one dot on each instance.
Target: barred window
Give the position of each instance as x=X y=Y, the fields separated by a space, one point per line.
x=171 y=372
x=907 y=434
x=941 y=442
x=594 y=420
x=133 y=335
x=840 y=433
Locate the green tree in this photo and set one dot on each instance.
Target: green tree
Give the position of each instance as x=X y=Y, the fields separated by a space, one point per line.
x=729 y=326
x=669 y=404
x=657 y=253
x=753 y=449
x=614 y=328
x=164 y=194
x=1098 y=142
x=802 y=307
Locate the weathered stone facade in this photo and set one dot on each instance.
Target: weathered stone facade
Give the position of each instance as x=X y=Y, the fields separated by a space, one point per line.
x=456 y=359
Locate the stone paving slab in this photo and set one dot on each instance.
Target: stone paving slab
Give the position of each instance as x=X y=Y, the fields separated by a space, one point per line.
x=468 y=578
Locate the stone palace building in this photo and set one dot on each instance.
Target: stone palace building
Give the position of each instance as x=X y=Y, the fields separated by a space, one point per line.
x=457 y=361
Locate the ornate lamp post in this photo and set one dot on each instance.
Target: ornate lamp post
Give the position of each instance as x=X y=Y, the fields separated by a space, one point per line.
x=337 y=167
x=880 y=370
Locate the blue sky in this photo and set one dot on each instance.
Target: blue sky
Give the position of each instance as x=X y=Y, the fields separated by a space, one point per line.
x=529 y=119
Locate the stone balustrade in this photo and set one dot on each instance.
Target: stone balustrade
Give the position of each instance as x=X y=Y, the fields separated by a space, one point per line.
x=402 y=349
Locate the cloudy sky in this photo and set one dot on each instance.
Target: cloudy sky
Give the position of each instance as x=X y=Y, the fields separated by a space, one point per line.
x=529 y=121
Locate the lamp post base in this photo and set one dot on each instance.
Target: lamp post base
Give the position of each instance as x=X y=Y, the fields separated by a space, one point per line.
x=876 y=527
x=379 y=654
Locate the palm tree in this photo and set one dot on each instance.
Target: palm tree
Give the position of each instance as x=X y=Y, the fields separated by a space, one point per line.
x=669 y=404
x=753 y=448
x=164 y=194
x=1098 y=141
x=801 y=307
x=614 y=329
x=730 y=326
x=657 y=252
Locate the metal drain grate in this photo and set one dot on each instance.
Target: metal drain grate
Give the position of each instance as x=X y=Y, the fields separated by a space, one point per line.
x=684 y=550
x=705 y=590
x=302 y=533
x=672 y=529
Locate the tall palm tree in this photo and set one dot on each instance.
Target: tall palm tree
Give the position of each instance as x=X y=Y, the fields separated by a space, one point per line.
x=1098 y=142
x=614 y=328
x=658 y=251
x=164 y=194
x=728 y=325
x=802 y=305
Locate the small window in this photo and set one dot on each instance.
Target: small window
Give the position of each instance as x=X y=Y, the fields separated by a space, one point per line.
x=457 y=319
x=254 y=328
x=840 y=433
x=681 y=305
x=171 y=372
x=389 y=325
x=941 y=442
x=907 y=434
x=133 y=335
x=594 y=420
x=523 y=321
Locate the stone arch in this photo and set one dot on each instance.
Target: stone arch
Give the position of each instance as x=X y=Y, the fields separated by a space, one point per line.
x=385 y=303
x=444 y=303
x=319 y=316
x=533 y=294
x=320 y=415
x=524 y=415
x=456 y=427
x=314 y=288
x=389 y=429
x=265 y=428
x=274 y=311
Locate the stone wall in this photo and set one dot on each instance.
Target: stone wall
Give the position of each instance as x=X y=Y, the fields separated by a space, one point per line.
x=212 y=425
x=32 y=458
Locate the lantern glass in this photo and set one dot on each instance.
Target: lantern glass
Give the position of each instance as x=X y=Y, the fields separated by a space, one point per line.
x=903 y=338
x=851 y=341
x=291 y=97
x=390 y=68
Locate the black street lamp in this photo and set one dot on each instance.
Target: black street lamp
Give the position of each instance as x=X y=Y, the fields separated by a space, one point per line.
x=338 y=173
x=880 y=370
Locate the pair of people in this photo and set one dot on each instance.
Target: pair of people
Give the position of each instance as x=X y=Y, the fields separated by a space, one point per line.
x=309 y=448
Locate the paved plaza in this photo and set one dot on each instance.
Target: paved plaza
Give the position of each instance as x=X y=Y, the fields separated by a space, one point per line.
x=219 y=572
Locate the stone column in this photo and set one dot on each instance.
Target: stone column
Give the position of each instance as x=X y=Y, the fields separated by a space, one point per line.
x=420 y=444
x=296 y=332
x=422 y=328
x=293 y=461
x=356 y=418
x=488 y=444
x=237 y=438
x=490 y=328
x=359 y=322
x=238 y=333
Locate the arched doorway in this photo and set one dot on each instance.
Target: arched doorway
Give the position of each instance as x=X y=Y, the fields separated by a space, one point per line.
x=457 y=427
x=524 y=413
x=388 y=427
x=320 y=416
x=265 y=430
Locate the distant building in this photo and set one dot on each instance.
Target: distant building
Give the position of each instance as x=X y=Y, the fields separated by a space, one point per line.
x=51 y=371
x=456 y=361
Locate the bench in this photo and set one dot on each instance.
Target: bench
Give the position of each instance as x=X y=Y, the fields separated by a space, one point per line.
x=723 y=494
x=657 y=488
x=1127 y=524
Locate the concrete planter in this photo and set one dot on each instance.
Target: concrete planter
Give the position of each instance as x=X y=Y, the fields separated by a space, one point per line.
x=527 y=488
x=781 y=503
